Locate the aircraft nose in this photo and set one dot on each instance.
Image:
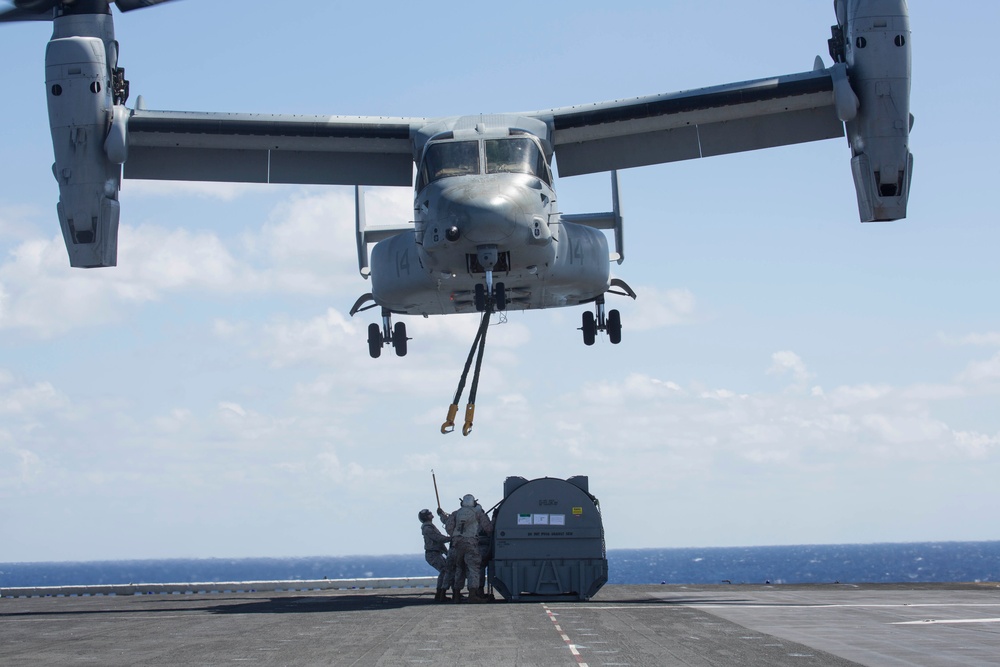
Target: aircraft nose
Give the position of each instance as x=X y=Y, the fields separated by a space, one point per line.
x=483 y=213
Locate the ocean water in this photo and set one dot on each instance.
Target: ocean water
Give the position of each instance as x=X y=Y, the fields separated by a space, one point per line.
x=844 y=563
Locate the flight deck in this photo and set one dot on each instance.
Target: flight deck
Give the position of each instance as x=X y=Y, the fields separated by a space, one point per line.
x=830 y=624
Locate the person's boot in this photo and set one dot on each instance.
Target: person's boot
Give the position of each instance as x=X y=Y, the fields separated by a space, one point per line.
x=475 y=597
x=440 y=595
x=457 y=596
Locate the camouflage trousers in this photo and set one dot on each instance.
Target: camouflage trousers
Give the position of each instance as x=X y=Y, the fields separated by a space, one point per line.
x=465 y=555
x=439 y=562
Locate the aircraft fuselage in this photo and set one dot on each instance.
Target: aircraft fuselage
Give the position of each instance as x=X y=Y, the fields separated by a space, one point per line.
x=485 y=213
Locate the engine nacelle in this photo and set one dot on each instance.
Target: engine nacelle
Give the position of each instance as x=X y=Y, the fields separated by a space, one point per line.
x=875 y=45
x=81 y=114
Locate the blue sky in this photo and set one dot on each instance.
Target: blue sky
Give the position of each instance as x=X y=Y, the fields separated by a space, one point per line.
x=787 y=375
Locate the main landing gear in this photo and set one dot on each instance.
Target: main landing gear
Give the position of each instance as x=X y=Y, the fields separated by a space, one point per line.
x=597 y=321
x=387 y=334
x=611 y=322
x=487 y=257
x=499 y=297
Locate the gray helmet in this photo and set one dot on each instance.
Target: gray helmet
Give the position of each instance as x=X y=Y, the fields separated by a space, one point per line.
x=425 y=515
x=468 y=500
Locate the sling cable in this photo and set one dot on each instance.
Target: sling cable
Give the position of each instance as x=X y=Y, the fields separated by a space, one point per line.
x=478 y=345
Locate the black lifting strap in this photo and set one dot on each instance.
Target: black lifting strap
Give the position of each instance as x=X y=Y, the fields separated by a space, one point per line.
x=478 y=345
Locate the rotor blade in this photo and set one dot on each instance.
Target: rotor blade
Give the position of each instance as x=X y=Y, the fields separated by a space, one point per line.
x=37 y=6
x=129 y=5
x=15 y=14
x=41 y=10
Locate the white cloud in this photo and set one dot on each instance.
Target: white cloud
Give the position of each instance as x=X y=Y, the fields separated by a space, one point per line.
x=37 y=398
x=338 y=472
x=18 y=466
x=979 y=372
x=976 y=445
x=797 y=431
x=227 y=330
x=717 y=394
x=153 y=261
x=341 y=432
x=228 y=409
x=306 y=247
x=320 y=339
x=903 y=428
x=851 y=395
x=787 y=361
x=18 y=222
x=933 y=392
x=335 y=342
x=309 y=243
x=656 y=308
x=174 y=422
x=168 y=344
x=41 y=293
x=226 y=192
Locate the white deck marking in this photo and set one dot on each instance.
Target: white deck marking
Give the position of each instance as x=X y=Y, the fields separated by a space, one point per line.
x=719 y=605
x=569 y=644
x=949 y=621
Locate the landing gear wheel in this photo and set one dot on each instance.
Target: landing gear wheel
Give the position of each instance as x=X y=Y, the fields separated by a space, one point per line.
x=480 y=298
x=589 y=328
x=399 y=339
x=501 y=296
x=374 y=340
x=614 y=327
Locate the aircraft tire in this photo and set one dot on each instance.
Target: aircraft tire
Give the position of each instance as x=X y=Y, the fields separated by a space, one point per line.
x=589 y=328
x=374 y=340
x=399 y=338
x=501 y=296
x=614 y=327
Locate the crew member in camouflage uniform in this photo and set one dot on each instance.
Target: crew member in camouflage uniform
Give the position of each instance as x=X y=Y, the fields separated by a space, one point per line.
x=464 y=525
x=456 y=570
x=485 y=555
x=436 y=553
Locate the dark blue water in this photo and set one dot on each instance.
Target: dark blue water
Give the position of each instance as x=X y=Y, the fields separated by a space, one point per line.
x=844 y=563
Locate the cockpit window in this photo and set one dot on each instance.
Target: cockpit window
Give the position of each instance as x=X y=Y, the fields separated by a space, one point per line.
x=517 y=156
x=449 y=158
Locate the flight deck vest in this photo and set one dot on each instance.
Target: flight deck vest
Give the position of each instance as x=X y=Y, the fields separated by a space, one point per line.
x=466 y=522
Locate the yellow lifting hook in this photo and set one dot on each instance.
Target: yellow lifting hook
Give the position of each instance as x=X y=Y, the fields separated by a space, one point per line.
x=470 y=410
x=449 y=425
x=478 y=345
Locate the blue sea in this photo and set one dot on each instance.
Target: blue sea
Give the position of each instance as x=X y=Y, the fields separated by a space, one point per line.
x=845 y=563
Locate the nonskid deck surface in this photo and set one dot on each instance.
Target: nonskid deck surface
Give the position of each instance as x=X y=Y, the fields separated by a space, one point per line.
x=929 y=624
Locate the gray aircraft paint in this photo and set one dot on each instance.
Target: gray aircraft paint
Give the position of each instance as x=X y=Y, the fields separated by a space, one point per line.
x=544 y=259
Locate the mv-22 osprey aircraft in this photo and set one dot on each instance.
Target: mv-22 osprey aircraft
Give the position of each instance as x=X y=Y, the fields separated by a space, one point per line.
x=486 y=235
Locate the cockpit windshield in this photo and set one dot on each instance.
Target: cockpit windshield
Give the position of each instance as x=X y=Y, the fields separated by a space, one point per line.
x=515 y=156
x=449 y=158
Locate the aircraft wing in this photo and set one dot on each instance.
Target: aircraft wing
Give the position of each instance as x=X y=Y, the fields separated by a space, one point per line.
x=696 y=123
x=265 y=148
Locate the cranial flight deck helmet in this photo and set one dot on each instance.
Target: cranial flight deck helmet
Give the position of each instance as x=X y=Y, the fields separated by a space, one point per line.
x=425 y=515
x=468 y=500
